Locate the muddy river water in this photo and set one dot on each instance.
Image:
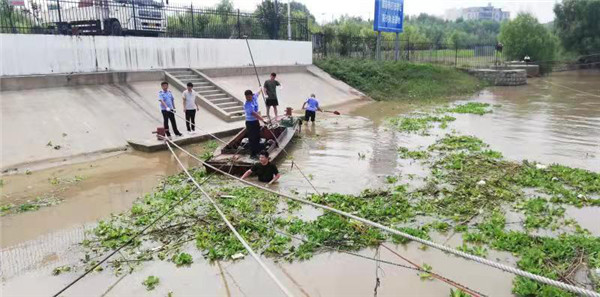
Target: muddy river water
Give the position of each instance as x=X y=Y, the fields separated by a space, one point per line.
x=554 y=119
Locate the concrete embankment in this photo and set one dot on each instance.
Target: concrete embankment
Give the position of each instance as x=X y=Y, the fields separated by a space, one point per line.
x=42 y=127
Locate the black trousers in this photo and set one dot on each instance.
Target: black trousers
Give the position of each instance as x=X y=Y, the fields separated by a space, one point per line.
x=190 y=116
x=169 y=116
x=253 y=133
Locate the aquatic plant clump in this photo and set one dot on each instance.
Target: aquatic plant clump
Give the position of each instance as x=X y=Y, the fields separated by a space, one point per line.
x=469 y=190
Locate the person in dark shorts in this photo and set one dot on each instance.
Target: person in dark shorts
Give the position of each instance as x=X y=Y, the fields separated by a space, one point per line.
x=311 y=109
x=167 y=106
x=252 y=124
x=270 y=87
x=266 y=171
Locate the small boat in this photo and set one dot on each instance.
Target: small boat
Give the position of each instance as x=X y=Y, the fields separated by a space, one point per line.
x=234 y=156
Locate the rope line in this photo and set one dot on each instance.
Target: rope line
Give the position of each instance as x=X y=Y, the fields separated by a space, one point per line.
x=418 y=269
x=503 y=267
x=140 y=233
x=572 y=89
x=231 y=227
x=127 y=243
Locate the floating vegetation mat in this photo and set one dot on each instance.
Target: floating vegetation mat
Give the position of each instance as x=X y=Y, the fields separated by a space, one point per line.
x=470 y=189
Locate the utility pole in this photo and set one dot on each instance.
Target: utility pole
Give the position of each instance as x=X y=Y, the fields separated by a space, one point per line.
x=276 y=27
x=289 y=21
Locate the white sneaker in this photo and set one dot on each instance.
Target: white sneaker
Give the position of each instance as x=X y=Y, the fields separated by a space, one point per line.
x=192 y=132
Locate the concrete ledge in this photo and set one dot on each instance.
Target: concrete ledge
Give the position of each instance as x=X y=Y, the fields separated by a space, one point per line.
x=240 y=71
x=154 y=145
x=19 y=83
x=531 y=69
x=501 y=77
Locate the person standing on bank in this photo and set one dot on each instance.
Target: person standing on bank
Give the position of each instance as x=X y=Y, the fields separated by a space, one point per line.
x=167 y=106
x=266 y=171
x=252 y=124
x=270 y=87
x=311 y=109
x=190 y=105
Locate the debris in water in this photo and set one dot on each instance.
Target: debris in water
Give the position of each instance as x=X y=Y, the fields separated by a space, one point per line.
x=64 y=134
x=151 y=282
x=60 y=269
x=237 y=256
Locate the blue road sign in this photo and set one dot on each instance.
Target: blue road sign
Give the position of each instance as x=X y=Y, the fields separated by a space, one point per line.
x=389 y=15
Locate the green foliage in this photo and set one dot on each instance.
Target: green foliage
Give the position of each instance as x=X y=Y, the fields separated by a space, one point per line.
x=472 y=108
x=578 y=25
x=183 y=259
x=419 y=123
x=408 y=154
x=469 y=189
x=390 y=80
x=151 y=282
x=30 y=205
x=458 y=293
x=61 y=269
x=525 y=36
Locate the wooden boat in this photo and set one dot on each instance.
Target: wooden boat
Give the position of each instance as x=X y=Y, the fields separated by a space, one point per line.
x=234 y=156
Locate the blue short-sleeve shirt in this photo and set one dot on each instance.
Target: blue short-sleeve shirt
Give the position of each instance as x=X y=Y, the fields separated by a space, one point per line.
x=249 y=110
x=167 y=97
x=312 y=104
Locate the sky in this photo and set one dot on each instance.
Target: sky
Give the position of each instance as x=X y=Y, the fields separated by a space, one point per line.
x=325 y=10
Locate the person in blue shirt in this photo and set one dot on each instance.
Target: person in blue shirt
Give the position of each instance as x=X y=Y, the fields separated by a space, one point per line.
x=252 y=124
x=311 y=109
x=167 y=106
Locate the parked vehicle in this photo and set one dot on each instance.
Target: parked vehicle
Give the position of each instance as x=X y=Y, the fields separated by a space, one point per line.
x=109 y=17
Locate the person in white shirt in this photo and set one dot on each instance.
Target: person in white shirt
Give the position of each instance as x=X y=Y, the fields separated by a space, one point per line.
x=190 y=106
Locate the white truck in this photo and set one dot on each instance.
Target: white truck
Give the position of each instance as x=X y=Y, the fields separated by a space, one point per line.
x=109 y=17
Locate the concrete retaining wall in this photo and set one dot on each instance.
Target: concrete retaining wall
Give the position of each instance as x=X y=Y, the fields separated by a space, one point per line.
x=501 y=77
x=30 y=82
x=30 y=54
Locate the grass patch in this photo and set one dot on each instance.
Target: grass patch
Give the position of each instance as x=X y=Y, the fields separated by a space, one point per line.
x=30 y=205
x=391 y=80
x=408 y=154
x=419 y=123
x=471 y=107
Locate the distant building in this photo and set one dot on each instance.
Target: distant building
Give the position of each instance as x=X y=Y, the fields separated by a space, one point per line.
x=478 y=13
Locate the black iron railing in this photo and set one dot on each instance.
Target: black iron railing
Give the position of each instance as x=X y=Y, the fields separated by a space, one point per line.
x=459 y=55
x=142 y=17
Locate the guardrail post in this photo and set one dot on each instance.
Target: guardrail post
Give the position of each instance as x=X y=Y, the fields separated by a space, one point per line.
x=133 y=10
x=397 y=51
x=408 y=48
x=193 y=24
x=59 y=14
x=239 y=25
x=456 y=55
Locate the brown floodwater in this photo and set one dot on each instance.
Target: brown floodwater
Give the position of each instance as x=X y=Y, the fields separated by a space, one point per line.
x=347 y=154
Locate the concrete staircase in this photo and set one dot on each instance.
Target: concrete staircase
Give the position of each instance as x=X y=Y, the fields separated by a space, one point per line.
x=210 y=96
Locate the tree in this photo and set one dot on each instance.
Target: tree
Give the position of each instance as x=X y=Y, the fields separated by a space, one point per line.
x=525 y=36
x=270 y=17
x=578 y=25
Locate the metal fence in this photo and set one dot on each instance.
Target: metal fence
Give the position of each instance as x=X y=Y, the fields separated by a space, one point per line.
x=464 y=56
x=142 y=17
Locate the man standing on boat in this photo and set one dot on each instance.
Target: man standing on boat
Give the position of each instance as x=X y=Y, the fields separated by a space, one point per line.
x=270 y=87
x=266 y=171
x=252 y=124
